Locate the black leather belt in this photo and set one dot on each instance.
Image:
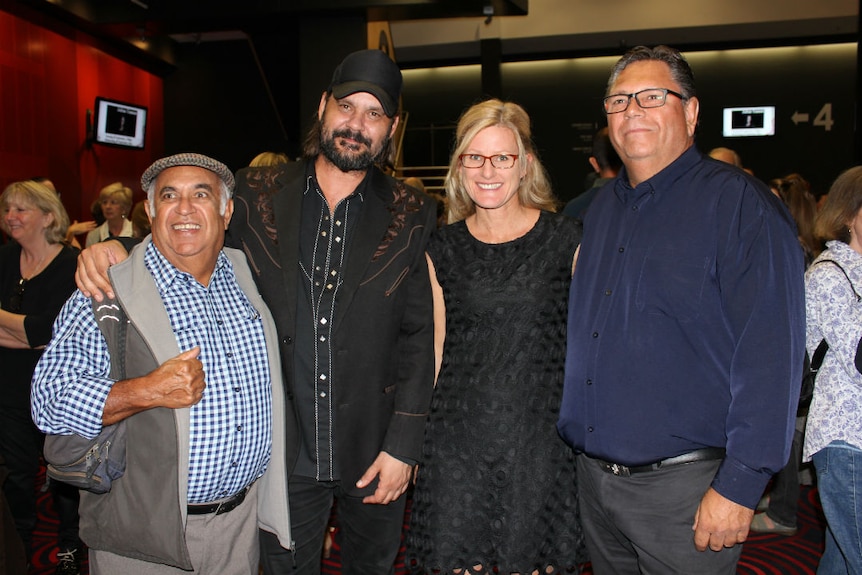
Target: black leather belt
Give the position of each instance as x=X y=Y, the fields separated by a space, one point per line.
x=705 y=454
x=219 y=507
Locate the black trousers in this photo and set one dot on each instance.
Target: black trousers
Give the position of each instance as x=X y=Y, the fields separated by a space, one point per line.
x=21 y=446
x=369 y=535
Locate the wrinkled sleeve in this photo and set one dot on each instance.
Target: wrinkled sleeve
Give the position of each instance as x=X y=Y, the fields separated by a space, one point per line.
x=70 y=383
x=762 y=283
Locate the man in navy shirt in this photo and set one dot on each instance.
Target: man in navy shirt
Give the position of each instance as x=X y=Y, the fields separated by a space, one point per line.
x=685 y=338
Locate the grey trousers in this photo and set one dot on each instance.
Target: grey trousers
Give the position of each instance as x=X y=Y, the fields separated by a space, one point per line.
x=643 y=523
x=226 y=544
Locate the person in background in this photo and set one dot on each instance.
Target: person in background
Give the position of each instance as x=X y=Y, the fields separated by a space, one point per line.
x=795 y=192
x=76 y=228
x=685 y=338
x=265 y=159
x=495 y=485
x=606 y=163
x=201 y=393
x=140 y=221
x=779 y=507
x=727 y=156
x=337 y=248
x=37 y=274
x=116 y=203
x=833 y=436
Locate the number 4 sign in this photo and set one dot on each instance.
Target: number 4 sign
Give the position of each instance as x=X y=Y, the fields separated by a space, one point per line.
x=823 y=117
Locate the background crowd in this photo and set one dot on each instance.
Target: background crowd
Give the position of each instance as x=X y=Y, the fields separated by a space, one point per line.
x=617 y=383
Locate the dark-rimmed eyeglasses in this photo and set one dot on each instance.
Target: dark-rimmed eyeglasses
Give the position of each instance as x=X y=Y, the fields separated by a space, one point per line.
x=502 y=161
x=649 y=98
x=17 y=296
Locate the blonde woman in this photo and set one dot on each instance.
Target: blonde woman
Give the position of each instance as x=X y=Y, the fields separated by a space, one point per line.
x=116 y=202
x=37 y=275
x=496 y=490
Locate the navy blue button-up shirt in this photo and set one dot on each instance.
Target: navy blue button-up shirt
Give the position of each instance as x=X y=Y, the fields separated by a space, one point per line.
x=686 y=324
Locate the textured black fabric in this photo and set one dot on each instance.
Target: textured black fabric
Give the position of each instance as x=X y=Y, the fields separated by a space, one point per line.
x=497 y=485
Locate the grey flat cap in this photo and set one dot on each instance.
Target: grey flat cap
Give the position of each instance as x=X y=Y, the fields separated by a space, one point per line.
x=188 y=159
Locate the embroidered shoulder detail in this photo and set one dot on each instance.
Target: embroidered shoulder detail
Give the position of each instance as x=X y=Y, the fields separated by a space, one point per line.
x=405 y=201
x=262 y=184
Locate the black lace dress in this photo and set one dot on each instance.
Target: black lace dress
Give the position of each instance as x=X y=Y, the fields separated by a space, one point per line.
x=496 y=486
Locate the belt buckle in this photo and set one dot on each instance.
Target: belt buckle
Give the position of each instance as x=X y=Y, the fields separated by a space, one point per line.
x=618 y=470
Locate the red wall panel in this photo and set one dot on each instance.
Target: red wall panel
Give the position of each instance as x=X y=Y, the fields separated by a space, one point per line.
x=47 y=83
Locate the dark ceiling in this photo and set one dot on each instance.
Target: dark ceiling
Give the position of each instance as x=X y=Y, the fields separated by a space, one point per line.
x=145 y=31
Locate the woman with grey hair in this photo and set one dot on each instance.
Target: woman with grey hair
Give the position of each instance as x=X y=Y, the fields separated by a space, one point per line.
x=37 y=275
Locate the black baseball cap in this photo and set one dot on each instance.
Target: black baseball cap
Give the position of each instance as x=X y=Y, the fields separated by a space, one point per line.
x=369 y=71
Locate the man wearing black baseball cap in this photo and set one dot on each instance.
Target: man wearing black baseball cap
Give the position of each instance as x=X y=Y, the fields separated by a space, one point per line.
x=339 y=251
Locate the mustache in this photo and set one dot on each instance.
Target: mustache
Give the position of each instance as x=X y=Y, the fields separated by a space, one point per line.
x=353 y=135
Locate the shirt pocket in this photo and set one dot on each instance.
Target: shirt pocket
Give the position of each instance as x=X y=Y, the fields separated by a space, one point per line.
x=671 y=284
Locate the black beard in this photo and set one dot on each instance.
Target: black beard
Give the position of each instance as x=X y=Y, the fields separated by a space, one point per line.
x=349 y=162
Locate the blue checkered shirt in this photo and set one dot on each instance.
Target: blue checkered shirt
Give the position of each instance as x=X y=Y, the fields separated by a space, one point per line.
x=230 y=432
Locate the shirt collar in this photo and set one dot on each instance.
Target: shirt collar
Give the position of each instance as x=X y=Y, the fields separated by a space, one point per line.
x=311 y=182
x=165 y=274
x=662 y=180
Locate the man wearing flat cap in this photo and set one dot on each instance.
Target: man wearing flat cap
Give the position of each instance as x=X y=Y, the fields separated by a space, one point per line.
x=200 y=395
x=337 y=250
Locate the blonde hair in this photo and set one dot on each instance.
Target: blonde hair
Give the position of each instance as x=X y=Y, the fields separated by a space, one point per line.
x=117 y=191
x=43 y=199
x=266 y=159
x=534 y=190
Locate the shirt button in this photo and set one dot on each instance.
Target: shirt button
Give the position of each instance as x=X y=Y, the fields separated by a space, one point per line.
x=322 y=338
x=323 y=320
x=595 y=334
x=239 y=427
x=608 y=292
x=234 y=464
x=323 y=233
x=220 y=322
x=590 y=429
x=228 y=354
x=589 y=382
x=622 y=249
x=337 y=239
x=634 y=208
x=323 y=394
x=286 y=340
x=322 y=377
x=333 y=273
x=328 y=286
x=337 y=222
x=236 y=389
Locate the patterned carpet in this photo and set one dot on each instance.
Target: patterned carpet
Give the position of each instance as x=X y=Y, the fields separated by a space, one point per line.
x=762 y=554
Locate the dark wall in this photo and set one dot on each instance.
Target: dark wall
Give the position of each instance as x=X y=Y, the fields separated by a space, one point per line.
x=563 y=98
x=235 y=99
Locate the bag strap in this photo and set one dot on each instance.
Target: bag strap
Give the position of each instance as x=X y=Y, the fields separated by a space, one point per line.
x=112 y=321
x=852 y=287
x=823 y=347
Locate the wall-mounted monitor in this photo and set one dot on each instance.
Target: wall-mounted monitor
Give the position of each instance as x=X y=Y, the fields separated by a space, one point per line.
x=120 y=124
x=749 y=121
